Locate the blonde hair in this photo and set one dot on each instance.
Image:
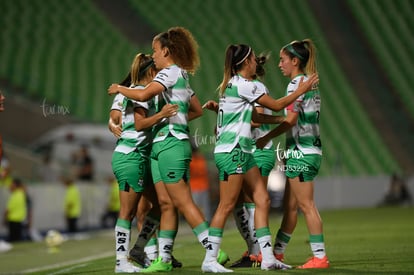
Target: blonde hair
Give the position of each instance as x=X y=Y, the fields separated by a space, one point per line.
x=182 y=47
x=305 y=51
x=142 y=68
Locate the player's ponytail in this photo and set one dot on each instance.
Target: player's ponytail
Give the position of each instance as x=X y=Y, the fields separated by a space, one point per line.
x=310 y=67
x=236 y=54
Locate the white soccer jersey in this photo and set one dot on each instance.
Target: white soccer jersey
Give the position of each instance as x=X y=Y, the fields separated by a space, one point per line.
x=264 y=128
x=117 y=102
x=305 y=134
x=177 y=91
x=235 y=115
x=131 y=139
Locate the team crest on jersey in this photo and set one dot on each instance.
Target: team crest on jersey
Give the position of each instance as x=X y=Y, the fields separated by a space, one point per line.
x=316 y=99
x=254 y=89
x=239 y=170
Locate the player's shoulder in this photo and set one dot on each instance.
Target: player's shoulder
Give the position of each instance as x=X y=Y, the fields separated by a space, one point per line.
x=296 y=79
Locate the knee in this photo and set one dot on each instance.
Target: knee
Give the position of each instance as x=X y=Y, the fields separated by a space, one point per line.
x=165 y=205
x=226 y=208
x=263 y=201
x=306 y=206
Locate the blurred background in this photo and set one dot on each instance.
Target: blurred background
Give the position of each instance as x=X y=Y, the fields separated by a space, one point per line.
x=57 y=59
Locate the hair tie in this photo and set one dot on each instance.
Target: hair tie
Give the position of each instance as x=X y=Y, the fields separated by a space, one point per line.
x=244 y=58
x=292 y=50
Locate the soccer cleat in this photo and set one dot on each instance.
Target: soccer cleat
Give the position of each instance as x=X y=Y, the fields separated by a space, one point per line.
x=214 y=267
x=158 y=266
x=276 y=264
x=222 y=257
x=247 y=261
x=140 y=257
x=175 y=262
x=315 y=262
x=126 y=267
x=280 y=257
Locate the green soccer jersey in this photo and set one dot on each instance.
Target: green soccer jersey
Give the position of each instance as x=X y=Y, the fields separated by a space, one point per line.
x=235 y=115
x=263 y=129
x=305 y=134
x=177 y=91
x=131 y=139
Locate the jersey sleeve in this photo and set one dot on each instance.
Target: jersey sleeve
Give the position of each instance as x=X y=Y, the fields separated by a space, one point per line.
x=117 y=102
x=251 y=91
x=167 y=77
x=261 y=86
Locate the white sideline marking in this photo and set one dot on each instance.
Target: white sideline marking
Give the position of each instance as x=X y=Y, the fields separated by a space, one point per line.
x=68 y=269
x=78 y=261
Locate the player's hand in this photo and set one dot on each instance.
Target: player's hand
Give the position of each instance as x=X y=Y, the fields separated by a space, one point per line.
x=169 y=110
x=211 y=105
x=116 y=129
x=261 y=142
x=311 y=83
x=113 y=89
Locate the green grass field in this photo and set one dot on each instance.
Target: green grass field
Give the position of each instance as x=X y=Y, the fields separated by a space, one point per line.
x=358 y=241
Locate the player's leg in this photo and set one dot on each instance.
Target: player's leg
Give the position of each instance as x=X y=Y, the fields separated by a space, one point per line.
x=288 y=224
x=128 y=177
x=229 y=191
x=255 y=186
x=302 y=186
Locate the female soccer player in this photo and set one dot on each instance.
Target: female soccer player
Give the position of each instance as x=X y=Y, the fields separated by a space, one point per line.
x=265 y=159
x=298 y=59
x=130 y=160
x=175 y=54
x=233 y=151
x=145 y=223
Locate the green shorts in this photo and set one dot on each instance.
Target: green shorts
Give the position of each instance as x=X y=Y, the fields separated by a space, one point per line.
x=235 y=162
x=131 y=170
x=170 y=160
x=265 y=159
x=306 y=167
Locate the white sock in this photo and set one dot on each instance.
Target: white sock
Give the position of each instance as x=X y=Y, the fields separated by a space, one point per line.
x=253 y=244
x=241 y=218
x=212 y=248
x=122 y=236
x=166 y=243
x=281 y=241
x=151 y=249
x=265 y=243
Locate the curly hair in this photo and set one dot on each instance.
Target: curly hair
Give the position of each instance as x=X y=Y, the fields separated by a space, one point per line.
x=182 y=47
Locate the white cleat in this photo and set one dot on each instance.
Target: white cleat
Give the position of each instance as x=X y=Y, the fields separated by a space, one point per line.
x=214 y=267
x=127 y=267
x=274 y=265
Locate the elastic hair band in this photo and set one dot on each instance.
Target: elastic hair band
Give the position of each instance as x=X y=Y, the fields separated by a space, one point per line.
x=244 y=58
x=292 y=50
x=143 y=70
